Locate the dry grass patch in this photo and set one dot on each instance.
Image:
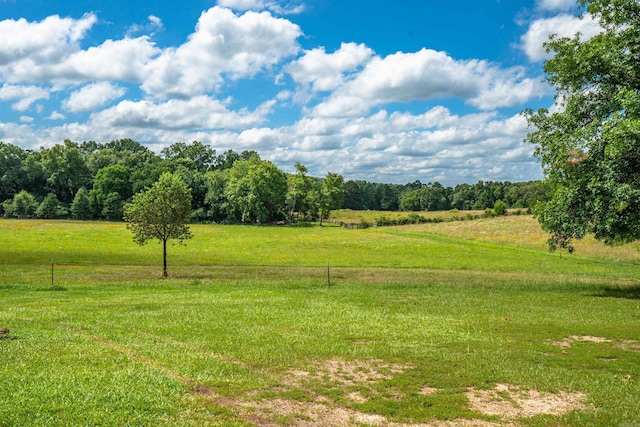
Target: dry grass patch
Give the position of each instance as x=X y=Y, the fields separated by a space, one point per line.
x=629 y=345
x=427 y=391
x=285 y=412
x=524 y=231
x=325 y=412
x=346 y=373
x=567 y=341
x=508 y=401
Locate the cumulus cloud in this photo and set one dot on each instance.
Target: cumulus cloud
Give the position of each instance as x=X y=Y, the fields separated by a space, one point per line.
x=556 y=5
x=277 y=7
x=429 y=74
x=317 y=70
x=26 y=95
x=93 y=96
x=34 y=43
x=343 y=125
x=435 y=144
x=200 y=112
x=223 y=43
x=55 y=115
x=564 y=25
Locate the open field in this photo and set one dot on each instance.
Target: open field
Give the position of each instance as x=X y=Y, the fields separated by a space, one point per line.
x=451 y=324
x=351 y=217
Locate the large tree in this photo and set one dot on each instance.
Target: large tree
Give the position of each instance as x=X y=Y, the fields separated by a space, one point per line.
x=162 y=212
x=256 y=191
x=590 y=145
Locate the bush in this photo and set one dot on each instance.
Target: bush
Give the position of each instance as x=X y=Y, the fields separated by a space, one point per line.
x=23 y=205
x=500 y=208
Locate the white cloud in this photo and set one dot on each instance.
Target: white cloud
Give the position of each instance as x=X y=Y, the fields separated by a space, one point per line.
x=429 y=74
x=277 y=7
x=223 y=43
x=47 y=41
x=199 y=112
x=152 y=26
x=349 y=131
x=318 y=71
x=557 y=5
x=93 y=96
x=532 y=42
x=55 y=115
x=123 y=60
x=26 y=95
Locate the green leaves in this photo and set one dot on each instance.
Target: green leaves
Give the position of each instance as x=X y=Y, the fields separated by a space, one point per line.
x=590 y=147
x=162 y=212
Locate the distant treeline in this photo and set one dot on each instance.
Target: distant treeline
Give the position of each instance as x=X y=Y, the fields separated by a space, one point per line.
x=92 y=180
x=416 y=196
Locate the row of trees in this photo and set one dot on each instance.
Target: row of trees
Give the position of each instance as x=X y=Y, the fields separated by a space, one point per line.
x=94 y=181
x=415 y=196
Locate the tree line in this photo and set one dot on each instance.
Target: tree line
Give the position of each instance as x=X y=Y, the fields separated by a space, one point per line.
x=92 y=180
x=416 y=196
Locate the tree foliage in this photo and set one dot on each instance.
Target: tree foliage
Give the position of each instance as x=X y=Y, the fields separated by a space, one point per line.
x=590 y=147
x=256 y=191
x=162 y=212
x=94 y=181
x=49 y=208
x=81 y=207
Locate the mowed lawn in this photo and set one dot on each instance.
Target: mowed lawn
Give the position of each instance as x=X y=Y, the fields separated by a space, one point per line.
x=452 y=324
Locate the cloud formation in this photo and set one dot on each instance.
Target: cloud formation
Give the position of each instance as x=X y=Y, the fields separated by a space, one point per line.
x=25 y=95
x=93 y=96
x=223 y=44
x=557 y=5
x=347 y=109
x=427 y=75
x=564 y=25
x=288 y=8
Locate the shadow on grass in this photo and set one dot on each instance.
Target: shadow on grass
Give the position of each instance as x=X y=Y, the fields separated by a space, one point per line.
x=629 y=292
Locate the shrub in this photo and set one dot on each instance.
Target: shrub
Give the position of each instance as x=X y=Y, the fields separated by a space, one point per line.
x=500 y=208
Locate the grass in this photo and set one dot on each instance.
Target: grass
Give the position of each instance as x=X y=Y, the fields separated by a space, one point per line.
x=370 y=216
x=246 y=308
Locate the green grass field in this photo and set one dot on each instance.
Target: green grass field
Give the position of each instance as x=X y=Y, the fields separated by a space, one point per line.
x=452 y=324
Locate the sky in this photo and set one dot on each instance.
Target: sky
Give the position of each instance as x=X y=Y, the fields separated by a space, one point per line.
x=386 y=91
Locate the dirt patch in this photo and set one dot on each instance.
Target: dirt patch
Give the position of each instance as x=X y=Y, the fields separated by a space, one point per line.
x=346 y=373
x=589 y=338
x=629 y=345
x=278 y=412
x=567 y=341
x=356 y=397
x=284 y=412
x=427 y=391
x=510 y=401
x=322 y=411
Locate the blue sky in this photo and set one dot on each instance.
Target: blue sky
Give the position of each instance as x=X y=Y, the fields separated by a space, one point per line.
x=386 y=91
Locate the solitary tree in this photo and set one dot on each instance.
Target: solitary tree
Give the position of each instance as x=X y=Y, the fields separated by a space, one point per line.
x=161 y=212
x=590 y=145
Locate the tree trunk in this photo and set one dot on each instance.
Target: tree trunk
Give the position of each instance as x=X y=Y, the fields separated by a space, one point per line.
x=164 y=257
